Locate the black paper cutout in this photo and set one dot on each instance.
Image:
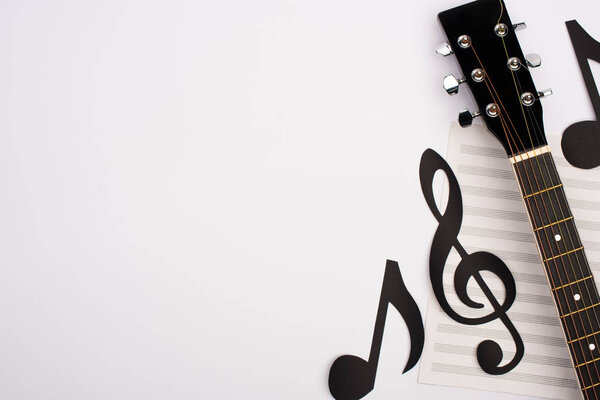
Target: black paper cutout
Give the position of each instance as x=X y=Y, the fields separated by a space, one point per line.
x=581 y=141
x=351 y=377
x=489 y=353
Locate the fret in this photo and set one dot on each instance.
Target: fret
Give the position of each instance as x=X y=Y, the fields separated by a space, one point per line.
x=548 y=207
x=591 y=386
x=569 y=268
x=592 y=391
x=578 y=325
x=563 y=254
x=580 y=310
x=587 y=362
x=596 y=339
x=554 y=223
x=576 y=296
x=571 y=283
x=581 y=351
x=543 y=191
x=582 y=322
x=589 y=372
x=536 y=173
x=559 y=238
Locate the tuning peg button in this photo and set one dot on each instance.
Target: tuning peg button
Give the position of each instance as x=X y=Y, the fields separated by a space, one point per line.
x=519 y=26
x=533 y=60
x=465 y=117
x=451 y=84
x=444 y=49
x=544 y=93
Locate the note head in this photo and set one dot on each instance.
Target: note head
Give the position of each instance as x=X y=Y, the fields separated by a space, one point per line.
x=581 y=144
x=351 y=378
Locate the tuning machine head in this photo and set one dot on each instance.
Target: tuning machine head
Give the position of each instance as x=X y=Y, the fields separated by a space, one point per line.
x=545 y=93
x=519 y=26
x=451 y=84
x=444 y=49
x=465 y=117
x=533 y=60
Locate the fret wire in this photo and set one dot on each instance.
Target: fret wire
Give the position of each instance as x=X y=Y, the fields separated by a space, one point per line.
x=543 y=191
x=590 y=386
x=563 y=254
x=572 y=283
x=587 y=362
x=584 y=337
x=580 y=310
x=554 y=223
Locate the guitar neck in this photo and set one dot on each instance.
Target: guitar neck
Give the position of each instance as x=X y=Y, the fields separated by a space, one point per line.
x=566 y=266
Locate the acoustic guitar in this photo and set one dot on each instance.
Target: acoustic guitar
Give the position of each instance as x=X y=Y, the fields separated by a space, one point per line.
x=482 y=38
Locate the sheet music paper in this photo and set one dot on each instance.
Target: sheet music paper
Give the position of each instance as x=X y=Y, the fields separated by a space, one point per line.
x=495 y=220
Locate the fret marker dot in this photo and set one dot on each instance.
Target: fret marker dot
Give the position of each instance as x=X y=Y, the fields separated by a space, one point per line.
x=592 y=346
x=557 y=237
x=577 y=297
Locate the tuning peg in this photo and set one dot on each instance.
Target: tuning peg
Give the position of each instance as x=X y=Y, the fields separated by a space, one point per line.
x=451 y=84
x=444 y=49
x=533 y=60
x=519 y=26
x=544 y=93
x=465 y=117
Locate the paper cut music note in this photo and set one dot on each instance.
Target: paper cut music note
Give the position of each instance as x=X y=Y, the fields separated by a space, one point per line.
x=489 y=353
x=351 y=377
x=581 y=141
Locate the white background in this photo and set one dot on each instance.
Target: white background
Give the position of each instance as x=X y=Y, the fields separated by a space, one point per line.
x=198 y=197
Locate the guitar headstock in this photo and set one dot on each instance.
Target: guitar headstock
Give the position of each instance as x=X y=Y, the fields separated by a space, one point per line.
x=483 y=39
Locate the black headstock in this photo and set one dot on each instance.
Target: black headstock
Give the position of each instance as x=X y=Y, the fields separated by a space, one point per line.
x=483 y=39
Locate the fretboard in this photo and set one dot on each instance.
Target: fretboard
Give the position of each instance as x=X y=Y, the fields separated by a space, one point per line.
x=566 y=266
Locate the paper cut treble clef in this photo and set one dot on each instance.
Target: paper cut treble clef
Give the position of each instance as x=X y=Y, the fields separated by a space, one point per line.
x=489 y=353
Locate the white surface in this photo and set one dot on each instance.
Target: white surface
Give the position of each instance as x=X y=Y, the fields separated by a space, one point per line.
x=198 y=198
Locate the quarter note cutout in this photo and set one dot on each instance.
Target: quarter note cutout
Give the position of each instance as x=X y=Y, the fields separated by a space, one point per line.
x=351 y=377
x=489 y=353
x=581 y=141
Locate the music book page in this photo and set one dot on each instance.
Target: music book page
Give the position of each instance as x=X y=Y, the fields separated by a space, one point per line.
x=495 y=220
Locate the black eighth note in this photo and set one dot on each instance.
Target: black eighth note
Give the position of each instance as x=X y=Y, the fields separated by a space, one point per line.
x=351 y=377
x=581 y=141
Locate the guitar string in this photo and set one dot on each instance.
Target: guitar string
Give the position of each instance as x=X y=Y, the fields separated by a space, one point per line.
x=575 y=289
x=537 y=130
x=538 y=133
x=553 y=167
x=509 y=137
x=578 y=253
x=567 y=329
x=578 y=365
x=518 y=90
x=507 y=133
x=580 y=257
